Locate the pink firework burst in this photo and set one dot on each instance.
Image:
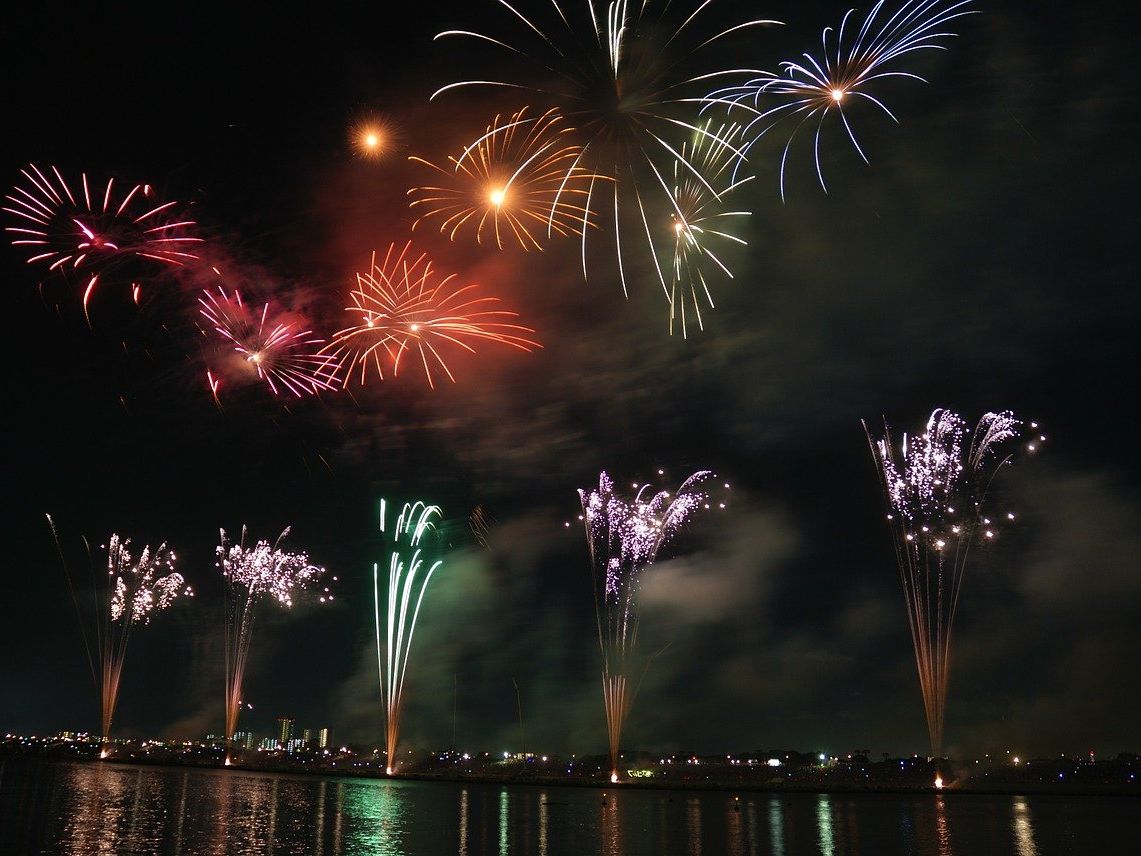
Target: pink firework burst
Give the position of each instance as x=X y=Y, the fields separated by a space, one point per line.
x=93 y=227
x=279 y=349
x=404 y=305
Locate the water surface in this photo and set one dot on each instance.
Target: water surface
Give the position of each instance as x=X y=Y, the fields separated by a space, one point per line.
x=82 y=809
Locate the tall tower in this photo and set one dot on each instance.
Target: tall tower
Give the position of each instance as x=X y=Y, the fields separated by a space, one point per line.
x=284 y=731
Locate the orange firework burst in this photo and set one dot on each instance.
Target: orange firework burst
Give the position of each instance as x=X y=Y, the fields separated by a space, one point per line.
x=371 y=137
x=403 y=305
x=522 y=173
x=92 y=228
x=279 y=350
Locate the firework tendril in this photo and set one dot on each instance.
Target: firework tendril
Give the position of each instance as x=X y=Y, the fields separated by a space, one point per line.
x=253 y=574
x=936 y=485
x=625 y=537
x=93 y=229
x=409 y=573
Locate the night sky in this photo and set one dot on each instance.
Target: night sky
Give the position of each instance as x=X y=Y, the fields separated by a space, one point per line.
x=983 y=260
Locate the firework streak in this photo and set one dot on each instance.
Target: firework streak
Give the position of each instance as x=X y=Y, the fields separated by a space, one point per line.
x=408 y=579
x=625 y=537
x=252 y=574
x=935 y=491
x=402 y=306
x=91 y=229
x=812 y=91
x=623 y=75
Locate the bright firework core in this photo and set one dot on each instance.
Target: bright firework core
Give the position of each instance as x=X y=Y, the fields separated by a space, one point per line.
x=497 y=196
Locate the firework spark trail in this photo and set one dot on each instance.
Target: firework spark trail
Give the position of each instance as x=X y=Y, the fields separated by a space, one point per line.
x=408 y=579
x=253 y=574
x=91 y=229
x=279 y=349
x=132 y=591
x=136 y=589
x=619 y=73
x=935 y=491
x=480 y=524
x=522 y=173
x=811 y=91
x=402 y=306
x=701 y=222
x=625 y=537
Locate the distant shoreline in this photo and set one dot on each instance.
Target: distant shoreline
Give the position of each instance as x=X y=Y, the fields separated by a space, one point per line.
x=968 y=786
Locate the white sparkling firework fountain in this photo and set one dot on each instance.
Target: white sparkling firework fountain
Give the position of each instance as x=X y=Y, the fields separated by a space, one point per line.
x=936 y=490
x=408 y=578
x=625 y=537
x=136 y=589
x=252 y=574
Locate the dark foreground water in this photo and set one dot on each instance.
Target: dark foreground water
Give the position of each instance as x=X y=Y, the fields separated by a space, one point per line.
x=92 y=808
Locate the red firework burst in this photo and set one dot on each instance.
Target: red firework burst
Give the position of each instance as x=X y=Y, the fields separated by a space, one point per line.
x=279 y=350
x=93 y=228
x=403 y=305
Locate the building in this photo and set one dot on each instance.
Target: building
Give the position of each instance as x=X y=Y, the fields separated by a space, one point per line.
x=244 y=739
x=323 y=738
x=284 y=731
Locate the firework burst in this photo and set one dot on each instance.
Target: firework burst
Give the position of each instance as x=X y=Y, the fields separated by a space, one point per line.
x=625 y=537
x=849 y=69
x=253 y=574
x=136 y=590
x=278 y=349
x=404 y=306
x=701 y=223
x=133 y=590
x=936 y=485
x=93 y=228
x=623 y=75
x=521 y=180
x=408 y=578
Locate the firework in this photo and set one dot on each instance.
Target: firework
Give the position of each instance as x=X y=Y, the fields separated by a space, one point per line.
x=371 y=137
x=132 y=592
x=480 y=524
x=137 y=588
x=408 y=578
x=625 y=537
x=93 y=228
x=623 y=74
x=848 y=71
x=520 y=180
x=700 y=222
x=404 y=306
x=254 y=574
x=936 y=485
x=277 y=348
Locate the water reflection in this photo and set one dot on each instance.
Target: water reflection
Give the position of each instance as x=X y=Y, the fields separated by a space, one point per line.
x=610 y=832
x=733 y=822
x=543 y=820
x=376 y=815
x=824 y=825
x=110 y=809
x=503 y=822
x=463 y=822
x=941 y=829
x=776 y=826
x=1023 y=828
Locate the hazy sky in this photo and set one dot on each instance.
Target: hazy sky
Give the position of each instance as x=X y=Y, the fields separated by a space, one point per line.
x=981 y=261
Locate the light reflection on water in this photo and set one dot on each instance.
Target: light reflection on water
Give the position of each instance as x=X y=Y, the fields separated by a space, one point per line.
x=1023 y=829
x=108 y=810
